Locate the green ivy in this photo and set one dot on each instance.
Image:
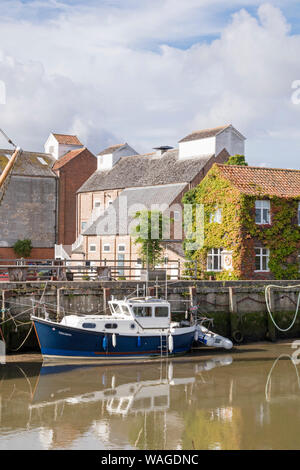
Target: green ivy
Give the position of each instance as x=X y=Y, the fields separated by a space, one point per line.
x=238 y=231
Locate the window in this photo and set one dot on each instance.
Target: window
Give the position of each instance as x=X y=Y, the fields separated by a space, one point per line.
x=92 y=248
x=161 y=311
x=214 y=259
x=88 y=325
x=262 y=212
x=216 y=216
x=262 y=259
x=142 y=311
x=176 y=216
x=106 y=247
x=110 y=202
x=83 y=226
x=111 y=325
x=121 y=259
x=97 y=203
x=42 y=161
x=121 y=247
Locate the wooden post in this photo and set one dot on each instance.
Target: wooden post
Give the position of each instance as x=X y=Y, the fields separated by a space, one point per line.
x=106 y=294
x=3 y=306
x=271 y=326
x=235 y=327
x=58 y=303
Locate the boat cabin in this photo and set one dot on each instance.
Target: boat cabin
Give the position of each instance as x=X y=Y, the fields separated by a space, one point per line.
x=146 y=311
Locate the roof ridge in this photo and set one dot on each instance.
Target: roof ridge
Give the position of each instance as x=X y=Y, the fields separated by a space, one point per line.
x=251 y=167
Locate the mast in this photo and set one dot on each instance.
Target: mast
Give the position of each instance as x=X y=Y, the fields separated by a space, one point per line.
x=9 y=166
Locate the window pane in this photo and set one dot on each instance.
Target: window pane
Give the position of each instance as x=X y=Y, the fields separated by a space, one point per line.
x=142 y=311
x=161 y=311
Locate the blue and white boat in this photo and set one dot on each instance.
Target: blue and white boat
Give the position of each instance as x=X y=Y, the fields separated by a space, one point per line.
x=137 y=328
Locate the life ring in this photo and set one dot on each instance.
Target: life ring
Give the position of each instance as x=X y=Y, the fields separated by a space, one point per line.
x=238 y=336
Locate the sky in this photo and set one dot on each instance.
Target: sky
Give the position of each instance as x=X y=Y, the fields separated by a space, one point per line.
x=148 y=72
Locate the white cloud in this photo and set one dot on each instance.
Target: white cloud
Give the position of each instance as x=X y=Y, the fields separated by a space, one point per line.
x=107 y=73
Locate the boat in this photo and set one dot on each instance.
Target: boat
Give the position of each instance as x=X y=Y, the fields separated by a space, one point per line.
x=209 y=338
x=137 y=328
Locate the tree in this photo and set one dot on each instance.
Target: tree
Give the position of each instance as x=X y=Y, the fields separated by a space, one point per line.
x=23 y=248
x=237 y=160
x=149 y=235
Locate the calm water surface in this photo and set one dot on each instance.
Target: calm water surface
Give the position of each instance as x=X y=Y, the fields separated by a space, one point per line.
x=247 y=400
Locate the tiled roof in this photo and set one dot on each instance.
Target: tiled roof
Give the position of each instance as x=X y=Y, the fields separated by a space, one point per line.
x=261 y=180
x=111 y=149
x=204 y=133
x=146 y=170
x=113 y=220
x=68 y=156
x=67 y=139
x=29 y=163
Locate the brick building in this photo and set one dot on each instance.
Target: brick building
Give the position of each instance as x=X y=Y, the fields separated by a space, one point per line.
x=252 y=223
x=160 y=177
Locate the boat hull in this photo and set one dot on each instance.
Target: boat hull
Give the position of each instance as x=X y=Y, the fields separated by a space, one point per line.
x=61 y=341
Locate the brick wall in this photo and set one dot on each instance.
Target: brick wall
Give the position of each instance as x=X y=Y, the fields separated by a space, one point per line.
x=36 y=253
x=71 y=177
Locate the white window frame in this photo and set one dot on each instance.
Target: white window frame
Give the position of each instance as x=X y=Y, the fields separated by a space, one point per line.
x=262 y=205
x=216 y=216
x=261 y=255
x=123 y=246
x=211 y=254
x=103 y=249
x=83 y=228
x=94 y=246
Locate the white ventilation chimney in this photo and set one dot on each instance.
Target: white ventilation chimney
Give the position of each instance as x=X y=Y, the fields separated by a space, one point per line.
x=60 y=144
x=162 y=149
x=212 y=142
x=111 y=155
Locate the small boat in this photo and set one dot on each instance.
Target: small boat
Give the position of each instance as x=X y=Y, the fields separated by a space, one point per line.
x=209 y=338
x=137 y=328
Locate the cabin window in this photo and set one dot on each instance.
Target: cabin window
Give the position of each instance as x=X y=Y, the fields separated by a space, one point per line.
x=125 y=309
x=117 y=308
x=142 y=311
x=111 y=326
x=88 y=325
x=161 y=311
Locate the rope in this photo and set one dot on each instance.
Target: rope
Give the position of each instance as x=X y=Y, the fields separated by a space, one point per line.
x=23 y=342
x=269 y=310
x=8 y=139
x=267 y=392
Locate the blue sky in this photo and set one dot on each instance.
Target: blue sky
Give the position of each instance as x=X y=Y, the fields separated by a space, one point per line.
x=150 y=71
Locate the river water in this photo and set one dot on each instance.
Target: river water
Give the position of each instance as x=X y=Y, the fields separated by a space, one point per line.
x=248 y=399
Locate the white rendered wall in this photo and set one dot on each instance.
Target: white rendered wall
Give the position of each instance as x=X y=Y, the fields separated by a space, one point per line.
x=106 y=162
x=194 y=148
x=231 y=141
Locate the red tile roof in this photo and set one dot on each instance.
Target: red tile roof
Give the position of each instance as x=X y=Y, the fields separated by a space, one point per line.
x=261 y=180
x=67 y=157
x=67 y=139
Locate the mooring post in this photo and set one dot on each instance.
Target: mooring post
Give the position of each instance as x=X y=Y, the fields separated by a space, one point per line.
x=3 y=306
x=58 y=303
x=235 y=327
x=106 y=294
x=271 y=326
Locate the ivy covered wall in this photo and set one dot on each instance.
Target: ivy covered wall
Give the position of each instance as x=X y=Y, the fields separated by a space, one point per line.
x=239 y=233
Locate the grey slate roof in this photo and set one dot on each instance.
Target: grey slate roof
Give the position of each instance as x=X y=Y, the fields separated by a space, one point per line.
x=204 y=133
x=111 y=149
x=28 y=163
x=146 y=170
x=113 y=220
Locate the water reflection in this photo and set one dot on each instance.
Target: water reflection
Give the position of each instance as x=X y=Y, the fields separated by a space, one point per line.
x=186 y=404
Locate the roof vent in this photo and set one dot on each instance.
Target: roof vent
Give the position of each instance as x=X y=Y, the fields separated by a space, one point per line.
x=162 y=149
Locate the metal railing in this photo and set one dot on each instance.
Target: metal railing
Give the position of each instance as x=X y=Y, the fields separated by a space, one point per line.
x=105 y=269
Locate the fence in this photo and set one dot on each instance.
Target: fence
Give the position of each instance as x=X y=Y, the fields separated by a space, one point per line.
x=113 y=269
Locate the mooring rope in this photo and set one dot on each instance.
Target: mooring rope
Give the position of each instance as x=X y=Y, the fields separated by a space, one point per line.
x=267 y=290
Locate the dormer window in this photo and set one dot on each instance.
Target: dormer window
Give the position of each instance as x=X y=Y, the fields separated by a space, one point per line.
x=262 y=212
